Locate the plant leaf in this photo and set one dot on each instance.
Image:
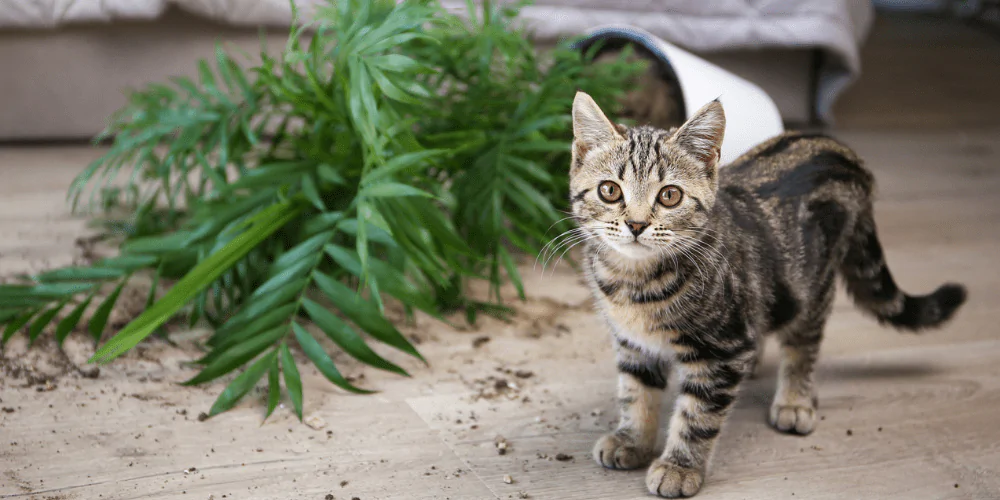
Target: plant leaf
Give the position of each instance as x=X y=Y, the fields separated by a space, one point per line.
x=298 y=253
x=364 y=313
x=347 y=338
x=15 y=325
x=242 y=384
x=311 y=192
x=403 y=163
x=329 y=174
x=392 y=90
x=19 y=296
x=273 y=388
x=100 y=317
x=66 y=324
x=128 y=263
x=392 y=189
x=258 y=306
x=206 y=272
x=237 y=355
x=80 y=274
x=292 y=380
x=395 y=62
x=315 y=352
x=266 y=321
x=158 y=245
x=512 y=273
x=42 y=321
x=389 y=279
x=269 y=175
x=9 y=314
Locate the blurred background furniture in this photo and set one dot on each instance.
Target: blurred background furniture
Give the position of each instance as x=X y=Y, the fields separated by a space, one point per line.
x=65 y=64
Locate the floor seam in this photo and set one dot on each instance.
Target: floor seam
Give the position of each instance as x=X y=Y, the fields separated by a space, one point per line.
x=453 y=451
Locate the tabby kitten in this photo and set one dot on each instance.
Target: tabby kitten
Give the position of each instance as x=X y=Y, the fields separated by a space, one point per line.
x=691 y=265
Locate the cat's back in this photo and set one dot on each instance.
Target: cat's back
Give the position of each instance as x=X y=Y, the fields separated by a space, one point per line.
x=794 y=165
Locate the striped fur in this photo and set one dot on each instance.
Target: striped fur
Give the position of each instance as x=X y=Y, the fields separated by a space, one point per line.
x=751 y=249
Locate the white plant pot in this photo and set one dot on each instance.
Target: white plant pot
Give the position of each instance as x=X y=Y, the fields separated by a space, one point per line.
x=751 y=115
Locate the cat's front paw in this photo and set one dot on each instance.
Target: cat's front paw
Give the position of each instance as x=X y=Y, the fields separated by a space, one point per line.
x=670 y=480
x=794 y=419
x=615 y=451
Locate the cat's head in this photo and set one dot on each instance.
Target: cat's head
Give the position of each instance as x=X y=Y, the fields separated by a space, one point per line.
x=643 y=191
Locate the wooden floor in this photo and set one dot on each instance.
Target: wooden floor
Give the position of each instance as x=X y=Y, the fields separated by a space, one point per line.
x=924 y=71
x=902 y=416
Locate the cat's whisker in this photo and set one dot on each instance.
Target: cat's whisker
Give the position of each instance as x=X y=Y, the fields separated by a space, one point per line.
x=569 y=241
x=713 y=233
x=554 y=224
x=545 y=248
x=569 y=234
x=713 y=252
x=564 y=234
x=705 y=246
x=570 y=247
x=706 y=254
x=694 y=260
x=567 y=248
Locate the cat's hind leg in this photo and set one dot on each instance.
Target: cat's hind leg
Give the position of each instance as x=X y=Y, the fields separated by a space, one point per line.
x=795 y=400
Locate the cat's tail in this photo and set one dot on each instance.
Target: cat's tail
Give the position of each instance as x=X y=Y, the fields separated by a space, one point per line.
x=871 y=285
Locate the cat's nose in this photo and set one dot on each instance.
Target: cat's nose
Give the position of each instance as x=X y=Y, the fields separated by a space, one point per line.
x=636 y=227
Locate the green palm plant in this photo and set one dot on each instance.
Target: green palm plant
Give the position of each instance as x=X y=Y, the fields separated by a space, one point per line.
x=398 y=154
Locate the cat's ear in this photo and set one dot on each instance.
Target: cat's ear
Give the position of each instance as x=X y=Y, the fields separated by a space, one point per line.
x=701 y=136
x=590 y=127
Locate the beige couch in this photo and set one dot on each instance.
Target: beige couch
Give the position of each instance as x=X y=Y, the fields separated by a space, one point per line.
x=62 y=72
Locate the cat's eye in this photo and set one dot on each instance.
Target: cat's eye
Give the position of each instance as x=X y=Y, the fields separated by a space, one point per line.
x=670 y=196
x=609 y=191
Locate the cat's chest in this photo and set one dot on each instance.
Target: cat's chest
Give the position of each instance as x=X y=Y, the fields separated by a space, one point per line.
x=640 y=303
x=646 y=325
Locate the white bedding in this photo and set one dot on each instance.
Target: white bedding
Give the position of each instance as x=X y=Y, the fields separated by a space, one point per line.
x=838 y=27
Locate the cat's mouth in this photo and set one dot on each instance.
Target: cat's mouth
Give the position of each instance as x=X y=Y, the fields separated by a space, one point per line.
x=637 y=247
